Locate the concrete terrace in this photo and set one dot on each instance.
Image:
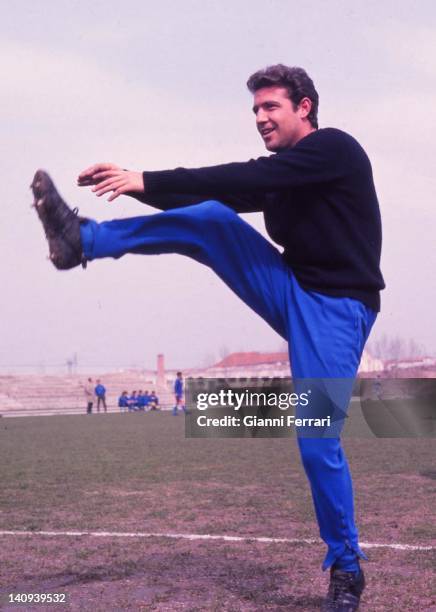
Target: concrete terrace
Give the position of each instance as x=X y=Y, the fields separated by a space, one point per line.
x=33 y=395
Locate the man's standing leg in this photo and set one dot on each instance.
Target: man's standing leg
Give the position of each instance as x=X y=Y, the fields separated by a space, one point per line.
x=328 y=336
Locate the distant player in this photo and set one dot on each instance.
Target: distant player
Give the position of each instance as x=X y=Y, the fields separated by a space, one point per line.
x=153 y=401
x=100 y=392
x=321 y=293
x=123 y=402
x=178 y=394
x=140 y=403
x=146 y=399
x=88 y=389
x=133 y=402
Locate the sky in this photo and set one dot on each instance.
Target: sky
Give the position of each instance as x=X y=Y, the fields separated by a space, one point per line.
x=157 y=85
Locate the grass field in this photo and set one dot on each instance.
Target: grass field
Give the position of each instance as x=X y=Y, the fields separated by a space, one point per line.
x=138 y=473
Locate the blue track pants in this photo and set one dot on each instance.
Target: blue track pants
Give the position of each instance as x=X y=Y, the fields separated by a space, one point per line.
x=326 y=335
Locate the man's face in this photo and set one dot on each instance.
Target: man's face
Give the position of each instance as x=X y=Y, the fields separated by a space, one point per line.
x=280 y=126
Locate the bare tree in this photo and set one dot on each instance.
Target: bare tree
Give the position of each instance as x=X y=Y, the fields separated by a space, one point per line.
x=208 y=360
x=415 y=349
x=223 y=351
x=388 y=347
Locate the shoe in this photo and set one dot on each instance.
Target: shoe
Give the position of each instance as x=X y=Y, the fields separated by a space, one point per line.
x=61 y=224
x=344 y=591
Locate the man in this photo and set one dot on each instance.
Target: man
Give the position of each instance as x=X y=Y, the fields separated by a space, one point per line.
x=153 y=400
x=146 y=399
x=88 y=389
x=178 y=394
x=100 y=392
x=133 y=402
x=321 y=294
x=140 y=401
x=123 y=401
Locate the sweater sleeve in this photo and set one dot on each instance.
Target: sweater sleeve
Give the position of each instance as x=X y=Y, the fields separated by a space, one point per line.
x=315 y=159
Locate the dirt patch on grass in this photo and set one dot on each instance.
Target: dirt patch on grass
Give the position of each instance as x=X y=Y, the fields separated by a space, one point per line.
x=162 y=574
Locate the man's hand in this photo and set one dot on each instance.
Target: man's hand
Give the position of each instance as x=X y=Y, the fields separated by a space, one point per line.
x=109 y=177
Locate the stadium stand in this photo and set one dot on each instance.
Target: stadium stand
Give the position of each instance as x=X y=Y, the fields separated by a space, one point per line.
x=33 y=395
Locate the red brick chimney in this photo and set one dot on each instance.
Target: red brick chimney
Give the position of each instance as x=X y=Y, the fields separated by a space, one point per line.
x=160 y=378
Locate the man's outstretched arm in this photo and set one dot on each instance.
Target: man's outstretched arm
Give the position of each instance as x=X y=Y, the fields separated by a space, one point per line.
x=320 y=157
x=106 y=177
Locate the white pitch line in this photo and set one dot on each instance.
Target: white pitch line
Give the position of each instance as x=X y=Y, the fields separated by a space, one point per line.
x=198 y=536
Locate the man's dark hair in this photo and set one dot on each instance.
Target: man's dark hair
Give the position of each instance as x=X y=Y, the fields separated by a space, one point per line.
x=295 y=80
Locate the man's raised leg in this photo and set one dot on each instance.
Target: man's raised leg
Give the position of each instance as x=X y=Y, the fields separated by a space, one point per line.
x=211 y=234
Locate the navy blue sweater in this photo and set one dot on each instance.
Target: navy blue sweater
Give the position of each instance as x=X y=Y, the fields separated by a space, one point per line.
x=319 y=203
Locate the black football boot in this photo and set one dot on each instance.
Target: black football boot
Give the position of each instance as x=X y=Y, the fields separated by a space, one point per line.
x=61 y=223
